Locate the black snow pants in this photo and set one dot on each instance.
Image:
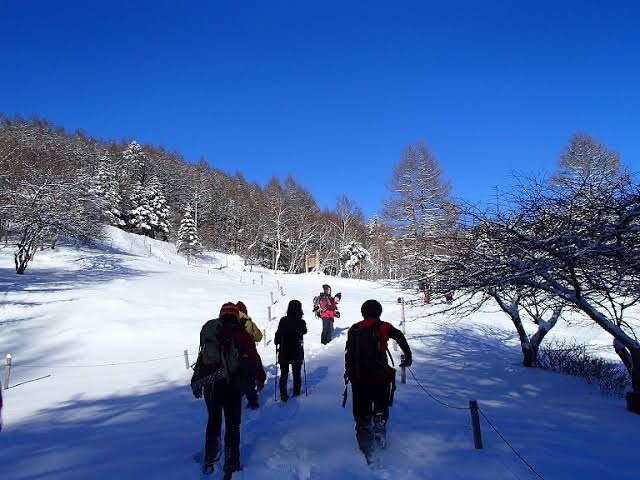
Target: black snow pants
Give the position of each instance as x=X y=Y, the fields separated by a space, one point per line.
x=221 y=397
x=296 y=368
x=370 y=412
x=327 y=330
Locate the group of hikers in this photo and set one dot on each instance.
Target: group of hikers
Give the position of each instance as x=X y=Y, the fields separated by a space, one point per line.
x=229 y=367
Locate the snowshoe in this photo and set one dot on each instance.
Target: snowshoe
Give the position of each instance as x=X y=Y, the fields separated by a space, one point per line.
x=380 y=431
x=381 y=440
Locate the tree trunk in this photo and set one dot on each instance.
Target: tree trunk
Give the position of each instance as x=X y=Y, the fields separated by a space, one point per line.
x=625 y=356
x=26 y=249
x=54 y=241
x=635 y=370
x=528 y=352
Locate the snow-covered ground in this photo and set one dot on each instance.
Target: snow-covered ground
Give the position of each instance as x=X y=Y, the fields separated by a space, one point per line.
x=110 y=324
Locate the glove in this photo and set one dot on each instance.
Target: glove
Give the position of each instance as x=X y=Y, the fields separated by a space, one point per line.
x=407 y=362
x=337 y=314
x=197 y=392
x=259 y=386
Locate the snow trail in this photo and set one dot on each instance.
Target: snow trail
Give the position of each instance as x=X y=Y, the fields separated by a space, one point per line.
x=136 y=304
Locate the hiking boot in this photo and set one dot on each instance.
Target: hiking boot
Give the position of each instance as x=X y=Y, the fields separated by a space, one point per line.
x=208 y=465
x=284 y=396
x=232 y=467
x=231 y=462
x=253 y=405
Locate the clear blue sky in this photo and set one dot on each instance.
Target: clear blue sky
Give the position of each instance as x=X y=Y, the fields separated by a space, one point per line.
x=331 y=92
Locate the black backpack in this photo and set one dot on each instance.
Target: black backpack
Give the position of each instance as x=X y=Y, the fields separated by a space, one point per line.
x=364 y=358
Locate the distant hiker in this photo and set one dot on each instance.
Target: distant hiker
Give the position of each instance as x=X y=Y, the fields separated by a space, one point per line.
x=249 y=376
x=372 y=379
x=224 y=343
x=0 y=409
x=289 y=339
x=448 y=296
x=327 y=310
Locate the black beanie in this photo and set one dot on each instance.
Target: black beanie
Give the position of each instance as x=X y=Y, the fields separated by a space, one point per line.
x=294 y=309
x=371 y=309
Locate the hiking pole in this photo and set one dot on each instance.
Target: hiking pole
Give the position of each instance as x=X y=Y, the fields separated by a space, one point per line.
x=275 y=387
x=304 y=367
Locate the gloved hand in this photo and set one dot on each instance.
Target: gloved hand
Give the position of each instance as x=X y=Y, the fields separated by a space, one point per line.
x=406 y=363
x=197 y=392
x=337 y=314
x=259 y=386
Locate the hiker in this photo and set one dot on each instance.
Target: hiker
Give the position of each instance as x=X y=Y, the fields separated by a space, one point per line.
x=372 y=379
x=448 y=296
x=249 y=377
x=217 y=376
x=327 y=310
x=289 y=339
x=0 y=409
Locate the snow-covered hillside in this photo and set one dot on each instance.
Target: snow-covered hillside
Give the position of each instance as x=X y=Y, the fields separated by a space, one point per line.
x=110 y=324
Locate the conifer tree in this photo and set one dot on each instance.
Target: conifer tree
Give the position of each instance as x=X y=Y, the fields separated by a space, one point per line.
x=188 y=241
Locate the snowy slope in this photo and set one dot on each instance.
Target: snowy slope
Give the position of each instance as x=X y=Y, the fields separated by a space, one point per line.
x=110 y=325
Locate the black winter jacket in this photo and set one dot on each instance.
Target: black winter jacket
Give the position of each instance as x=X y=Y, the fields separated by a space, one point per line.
x=289 y=339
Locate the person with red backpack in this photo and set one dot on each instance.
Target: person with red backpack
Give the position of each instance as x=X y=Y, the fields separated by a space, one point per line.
x=218 y=376
x=327 y=309
x=372 y=379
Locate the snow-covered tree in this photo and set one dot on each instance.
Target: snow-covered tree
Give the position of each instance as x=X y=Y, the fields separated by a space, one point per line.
x=586 y=163
x=135 y=161
x=45 y=180
x=353 y=255
x=140 y=216
x=420 y=211
x=188 y=241
x=160 y=225
x=149 y=213
x=104 y=185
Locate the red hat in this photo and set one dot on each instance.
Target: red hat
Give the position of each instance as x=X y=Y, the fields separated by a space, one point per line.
x=242 y=307
x=230 y=309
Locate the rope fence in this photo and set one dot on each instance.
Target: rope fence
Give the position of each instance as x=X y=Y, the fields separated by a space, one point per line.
x=475 y=410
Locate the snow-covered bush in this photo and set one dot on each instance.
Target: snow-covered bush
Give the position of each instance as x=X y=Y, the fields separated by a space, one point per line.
x=574 y=359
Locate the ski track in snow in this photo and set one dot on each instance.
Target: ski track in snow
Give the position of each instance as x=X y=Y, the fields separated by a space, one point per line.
x=135 y=300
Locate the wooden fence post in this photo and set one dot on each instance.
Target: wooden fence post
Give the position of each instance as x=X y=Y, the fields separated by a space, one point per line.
x=475 y=423
x=403 y=370
x=264 y=336
x=269 y=312
x=281 y=290
x=186 y=359
x=272 y=302
x=7 y=372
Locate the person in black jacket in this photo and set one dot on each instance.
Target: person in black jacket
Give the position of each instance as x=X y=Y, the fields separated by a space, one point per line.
x=288 y=337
